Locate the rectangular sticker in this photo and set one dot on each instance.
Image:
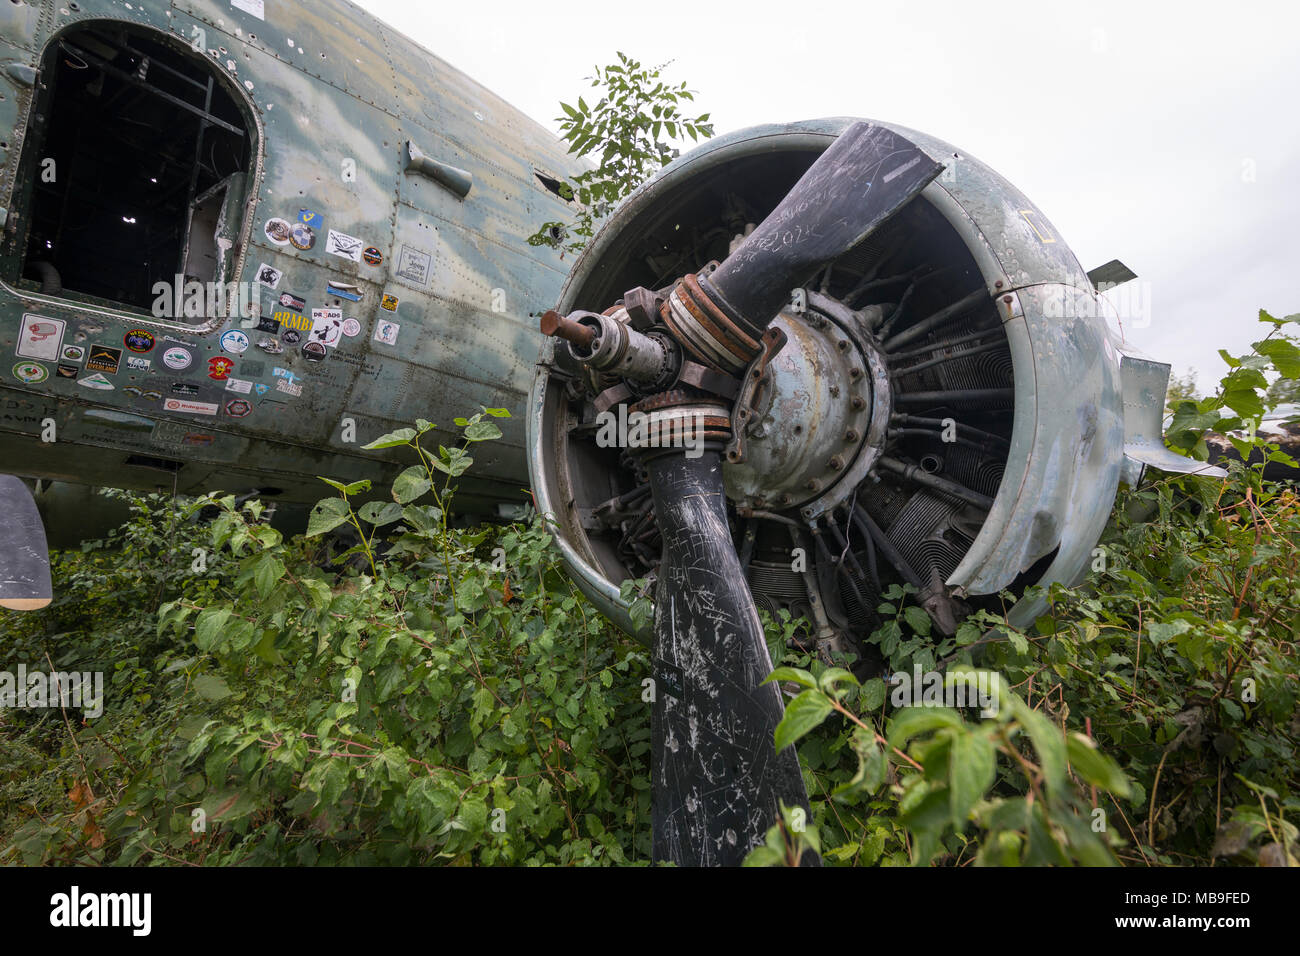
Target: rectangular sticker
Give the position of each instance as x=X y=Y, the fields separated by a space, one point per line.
x=243 y=386
x=326 y=326
x=190 y=408
x=268 y=276
x=40 y=337
x=344 y=246
x=413 y=265
x=344 y=291
x=103 y=359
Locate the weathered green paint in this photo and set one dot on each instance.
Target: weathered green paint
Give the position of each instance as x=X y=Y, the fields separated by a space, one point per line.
x=347 y=88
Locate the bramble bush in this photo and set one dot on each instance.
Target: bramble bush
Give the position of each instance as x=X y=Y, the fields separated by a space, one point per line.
x=456 y=701
x=444 y=695
x=1161 y=692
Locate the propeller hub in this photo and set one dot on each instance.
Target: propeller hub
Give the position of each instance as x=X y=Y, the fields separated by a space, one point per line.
x=816 y=420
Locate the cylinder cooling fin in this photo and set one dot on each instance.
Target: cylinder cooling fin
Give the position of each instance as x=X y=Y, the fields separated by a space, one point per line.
x=939 y=405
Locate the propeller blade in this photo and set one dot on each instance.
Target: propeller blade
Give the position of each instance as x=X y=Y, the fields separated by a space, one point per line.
x=717 y=781
x=863 y=178
x=24 y=558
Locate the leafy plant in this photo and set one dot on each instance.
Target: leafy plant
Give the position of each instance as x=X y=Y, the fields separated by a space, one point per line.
x=626 y=129
x=451 y=700
x=1150 y=717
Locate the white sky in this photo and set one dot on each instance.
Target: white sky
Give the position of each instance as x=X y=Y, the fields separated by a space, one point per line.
x=1166 y=135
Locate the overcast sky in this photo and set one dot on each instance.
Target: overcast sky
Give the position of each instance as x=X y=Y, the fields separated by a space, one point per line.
x=1166 y=135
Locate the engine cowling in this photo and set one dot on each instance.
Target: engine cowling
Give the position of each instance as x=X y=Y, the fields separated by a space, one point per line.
x=897 y=373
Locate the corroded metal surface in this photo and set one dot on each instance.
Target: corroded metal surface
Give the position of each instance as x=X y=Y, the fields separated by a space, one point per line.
x=356 y=125
x=1067 y=445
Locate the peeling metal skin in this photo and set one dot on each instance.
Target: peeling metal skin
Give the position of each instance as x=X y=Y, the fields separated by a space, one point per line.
x=1070 y=428
x=1069 y=439
x=717 y=782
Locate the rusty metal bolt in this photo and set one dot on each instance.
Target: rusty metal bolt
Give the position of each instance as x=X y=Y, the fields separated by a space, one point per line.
x=785 y=500
x=565 y=328
x=851 y=435
x=836 y=463
x=858 y=403
x=855 y=373
x=813 y=485
x=642 y=307
x=842 y=345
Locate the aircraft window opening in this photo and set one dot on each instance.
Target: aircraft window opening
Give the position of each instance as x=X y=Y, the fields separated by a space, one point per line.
x=138 y=160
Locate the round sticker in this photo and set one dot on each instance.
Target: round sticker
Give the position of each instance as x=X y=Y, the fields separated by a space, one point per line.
x=277 y=230
x=291 y=336
x=372 y=256
x=177 y=358
x=351 y=327
x=219 y=368
x=139 y=340
x=302 y=236
x=234 y=341
x=313 y=352
x=73 y=353
x=32 y=373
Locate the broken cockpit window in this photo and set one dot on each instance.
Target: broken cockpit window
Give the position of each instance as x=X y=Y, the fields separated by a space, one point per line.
x=137 y=159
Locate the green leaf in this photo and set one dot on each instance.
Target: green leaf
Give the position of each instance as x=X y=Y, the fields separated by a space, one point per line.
x=911 y=721
x=1094 y=766
x=327 y=515
x=268 y=571
x=266 y=649
x=803 y=714
x=792 y=674
x=411 y=484
x=481 y=431
x=424 y=518
x=873 y=694
x=1048 y=743
x=498 y=412
x=1244 y=401
x=972 y=767
x=402 y=436
x=380 y=513
x=210 y=626
x=211 y=686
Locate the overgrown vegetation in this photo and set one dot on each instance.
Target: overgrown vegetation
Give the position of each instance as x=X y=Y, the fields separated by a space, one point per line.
x=452 y=699
x=629 y=131
x=444 y=695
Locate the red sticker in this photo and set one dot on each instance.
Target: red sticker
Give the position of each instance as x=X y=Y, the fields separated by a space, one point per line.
x=219 y=368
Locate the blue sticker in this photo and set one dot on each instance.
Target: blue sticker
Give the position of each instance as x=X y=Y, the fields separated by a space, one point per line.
x=344 y=291
x=309 y=218
x=234 y=341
